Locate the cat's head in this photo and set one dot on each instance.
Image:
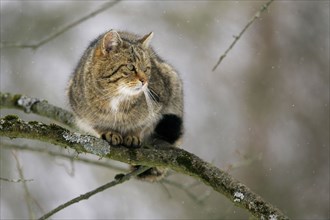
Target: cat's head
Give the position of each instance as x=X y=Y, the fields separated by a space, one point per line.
x=121 y=64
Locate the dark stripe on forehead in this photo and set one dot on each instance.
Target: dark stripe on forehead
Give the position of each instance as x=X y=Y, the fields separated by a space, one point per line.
x=129 y=41
x=117 y=69
x=114 y=71
x=135 y=55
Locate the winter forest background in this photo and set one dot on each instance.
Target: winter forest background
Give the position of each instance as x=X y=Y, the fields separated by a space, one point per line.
x=262 y=115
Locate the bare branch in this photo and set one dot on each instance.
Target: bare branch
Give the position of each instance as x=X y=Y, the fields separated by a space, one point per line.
x=15 y=180
x=28 y=197
x=236 y=38
x=184 y=188
x=39 y=107
x=161 y=154
x=118 y=180
x=62 y=155
x=60 y=31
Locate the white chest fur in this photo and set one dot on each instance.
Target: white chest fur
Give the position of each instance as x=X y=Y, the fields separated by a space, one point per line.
x=115 y=102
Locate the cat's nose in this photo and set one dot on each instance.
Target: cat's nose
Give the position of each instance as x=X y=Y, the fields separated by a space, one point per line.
x=142 y=77
x=143 y=81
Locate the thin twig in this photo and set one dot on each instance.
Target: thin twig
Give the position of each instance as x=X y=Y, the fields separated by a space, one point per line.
x=58 y=154
x=184 y=189
x=70 y=170
x=60 y=31
x=118 y=180
x=244 y=162
x=28 y=197
x=236 y=38
x=15 y=180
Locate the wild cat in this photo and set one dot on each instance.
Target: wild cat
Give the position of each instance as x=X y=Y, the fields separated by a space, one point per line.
x=122 y=91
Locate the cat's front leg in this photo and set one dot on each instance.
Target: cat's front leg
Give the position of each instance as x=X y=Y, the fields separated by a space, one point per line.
x=113 y=138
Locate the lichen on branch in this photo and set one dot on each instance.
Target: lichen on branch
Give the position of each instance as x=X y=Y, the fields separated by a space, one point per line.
x=90 y=143
x=13 y=127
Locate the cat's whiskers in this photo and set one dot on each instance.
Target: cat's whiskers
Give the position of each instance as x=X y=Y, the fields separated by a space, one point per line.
x=154 y=96
x=150 y=102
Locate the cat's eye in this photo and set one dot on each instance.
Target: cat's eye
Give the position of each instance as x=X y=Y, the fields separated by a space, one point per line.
x=125 y=74
x=130 y=66
x=145 y=69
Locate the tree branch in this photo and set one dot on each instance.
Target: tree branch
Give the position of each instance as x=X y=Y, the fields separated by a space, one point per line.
x=118 y=179
x=39 y=107
x=15 y=180
x=60 y=31
x=161 y=154
x=236 y=38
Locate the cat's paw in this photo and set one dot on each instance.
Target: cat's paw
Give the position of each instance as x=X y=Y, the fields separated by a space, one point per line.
x=132 y=141
x=113 y=138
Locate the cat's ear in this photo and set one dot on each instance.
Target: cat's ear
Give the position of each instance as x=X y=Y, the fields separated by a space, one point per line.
x=145 y=40
x=110 y=41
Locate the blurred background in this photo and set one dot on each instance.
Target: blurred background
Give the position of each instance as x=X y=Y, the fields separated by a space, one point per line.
x=263 y=115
